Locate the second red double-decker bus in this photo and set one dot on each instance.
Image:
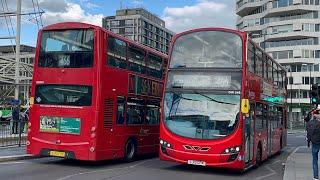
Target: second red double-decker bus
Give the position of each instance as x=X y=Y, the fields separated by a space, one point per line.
x=95 y=95
x=224 y=102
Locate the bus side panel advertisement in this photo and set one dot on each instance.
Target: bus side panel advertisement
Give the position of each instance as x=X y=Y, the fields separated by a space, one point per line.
x=60 y=125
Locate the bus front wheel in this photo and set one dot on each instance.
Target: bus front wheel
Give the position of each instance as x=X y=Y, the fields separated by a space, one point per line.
x=130 y=150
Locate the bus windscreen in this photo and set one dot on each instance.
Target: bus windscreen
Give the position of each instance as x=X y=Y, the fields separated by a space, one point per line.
x=66 y=49
x=200 y=115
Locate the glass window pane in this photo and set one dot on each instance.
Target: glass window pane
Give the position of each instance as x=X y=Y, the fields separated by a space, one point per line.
x=136 y=59
x=207 y=49
x=66 y=49
x=135 y=111
x=251 y=63
x=72 y=95
x=154 y=66
x=153 y=112
x=120 y=110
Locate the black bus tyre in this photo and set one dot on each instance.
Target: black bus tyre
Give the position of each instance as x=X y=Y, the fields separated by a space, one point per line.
x=280 y=150
x=259 y=156
x=130 y=151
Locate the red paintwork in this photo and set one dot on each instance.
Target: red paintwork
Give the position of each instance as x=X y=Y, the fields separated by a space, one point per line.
x=107 y=82
x=214 y=157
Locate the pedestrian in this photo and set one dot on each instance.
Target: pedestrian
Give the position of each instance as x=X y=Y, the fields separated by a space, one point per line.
x=308 y=117
x=15 y=119
x=313 y=135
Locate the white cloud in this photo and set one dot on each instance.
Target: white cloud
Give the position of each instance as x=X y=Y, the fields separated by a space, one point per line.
x=137 y=2
x=59 y=11
x=205 y=13
x=71 y=12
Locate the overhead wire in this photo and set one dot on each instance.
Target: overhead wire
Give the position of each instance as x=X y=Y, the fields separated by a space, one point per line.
x=40 y=14
x=35 y=15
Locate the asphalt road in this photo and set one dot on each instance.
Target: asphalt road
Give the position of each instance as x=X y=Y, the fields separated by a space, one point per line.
x=147 y=168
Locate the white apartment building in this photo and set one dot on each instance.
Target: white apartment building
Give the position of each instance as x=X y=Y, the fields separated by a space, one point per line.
x=289 y=30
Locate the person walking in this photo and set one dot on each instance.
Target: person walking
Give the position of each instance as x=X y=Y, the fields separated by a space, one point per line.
x=313 y=135
x=15 y=119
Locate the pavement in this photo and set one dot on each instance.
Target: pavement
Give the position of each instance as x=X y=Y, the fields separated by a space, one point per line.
x=299 y=164
x=14 y=153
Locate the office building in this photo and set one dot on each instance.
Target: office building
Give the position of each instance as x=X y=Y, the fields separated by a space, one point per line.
x=140 y=25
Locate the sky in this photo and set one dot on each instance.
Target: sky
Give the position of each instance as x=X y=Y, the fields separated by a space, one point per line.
x=179 y=15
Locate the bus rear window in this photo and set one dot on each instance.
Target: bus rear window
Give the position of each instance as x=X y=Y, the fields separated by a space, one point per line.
x=66 y=49
x=72 y=95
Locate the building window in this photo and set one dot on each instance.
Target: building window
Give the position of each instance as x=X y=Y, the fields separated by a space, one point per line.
x=115 y=23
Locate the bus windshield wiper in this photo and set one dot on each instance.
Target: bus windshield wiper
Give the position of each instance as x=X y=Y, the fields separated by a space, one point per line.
x=180 y=97
x=211 y=99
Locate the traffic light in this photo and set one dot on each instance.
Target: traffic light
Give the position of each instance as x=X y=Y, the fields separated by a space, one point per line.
x=314 y=94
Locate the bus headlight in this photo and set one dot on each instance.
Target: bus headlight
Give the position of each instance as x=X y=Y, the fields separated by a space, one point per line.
x=161 y=141
x=165 y=144
x=232 y=150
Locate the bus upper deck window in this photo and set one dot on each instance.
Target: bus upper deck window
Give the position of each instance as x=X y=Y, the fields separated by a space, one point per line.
x=66 y=49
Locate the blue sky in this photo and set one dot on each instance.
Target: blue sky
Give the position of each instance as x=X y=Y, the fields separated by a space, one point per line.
x=179 y=15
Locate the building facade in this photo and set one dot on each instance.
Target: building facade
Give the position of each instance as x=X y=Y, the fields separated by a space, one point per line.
x=289 y=30
x=142 y=26
x=7 y=73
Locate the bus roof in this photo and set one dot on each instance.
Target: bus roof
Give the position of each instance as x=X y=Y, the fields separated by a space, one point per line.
x=79 y=25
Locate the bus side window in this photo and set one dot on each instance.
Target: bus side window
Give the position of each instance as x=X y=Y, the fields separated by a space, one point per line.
x=275 y=74
x=137 y=60
x=120 y=109
x=117 y=52
x=154 y=66
x=269 y=69
x=259 y=63
x=265 y=116
x=251 y=59
x=153 y=113
x=259 y=117
x=281 y=116
x=265 y=66
x=135 y=111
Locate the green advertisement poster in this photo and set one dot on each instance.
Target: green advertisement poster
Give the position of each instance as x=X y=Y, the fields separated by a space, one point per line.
x=60 y=125
x=70 y=125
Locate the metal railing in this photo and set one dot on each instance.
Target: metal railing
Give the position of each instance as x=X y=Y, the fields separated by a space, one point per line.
x=13 y=133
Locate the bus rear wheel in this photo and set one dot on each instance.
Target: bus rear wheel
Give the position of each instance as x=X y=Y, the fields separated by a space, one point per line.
x=130 y=150
x=259 y=156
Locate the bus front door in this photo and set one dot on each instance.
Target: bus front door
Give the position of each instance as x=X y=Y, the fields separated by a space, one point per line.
x=249 y=134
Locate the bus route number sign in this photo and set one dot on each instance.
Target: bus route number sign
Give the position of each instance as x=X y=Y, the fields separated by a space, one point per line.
x=143 y=86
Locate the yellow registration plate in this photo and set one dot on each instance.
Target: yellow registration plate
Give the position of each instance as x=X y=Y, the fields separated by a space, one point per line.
x=57 y=153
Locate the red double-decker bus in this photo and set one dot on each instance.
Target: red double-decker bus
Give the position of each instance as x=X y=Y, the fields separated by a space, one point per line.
x=95 y=95
x=224 y=103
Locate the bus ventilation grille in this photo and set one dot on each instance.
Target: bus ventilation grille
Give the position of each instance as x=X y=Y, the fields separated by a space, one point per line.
x=108 y=108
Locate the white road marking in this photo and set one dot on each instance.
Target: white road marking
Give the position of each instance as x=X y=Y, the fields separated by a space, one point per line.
x=273 y=172
x=101 y=170
x=13 y=162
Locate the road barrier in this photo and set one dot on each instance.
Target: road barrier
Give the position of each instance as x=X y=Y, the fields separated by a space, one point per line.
x=13 y=133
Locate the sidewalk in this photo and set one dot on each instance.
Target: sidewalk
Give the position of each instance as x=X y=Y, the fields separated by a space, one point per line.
x=14 y=153
x=298 y=165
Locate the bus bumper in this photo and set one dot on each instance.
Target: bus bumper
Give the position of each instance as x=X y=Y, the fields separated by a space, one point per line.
x=211 y=160
x=68 y=151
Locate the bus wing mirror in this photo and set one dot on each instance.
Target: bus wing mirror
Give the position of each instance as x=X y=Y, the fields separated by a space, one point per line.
x=245 y=106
